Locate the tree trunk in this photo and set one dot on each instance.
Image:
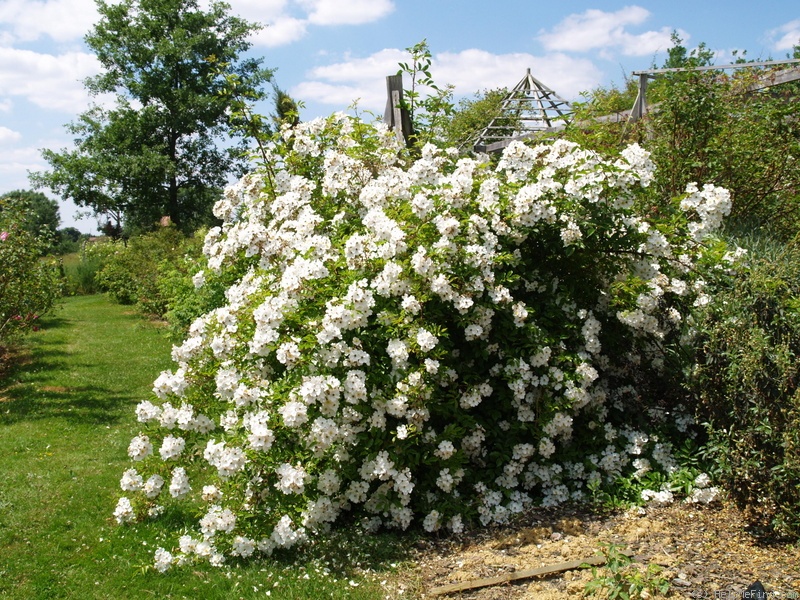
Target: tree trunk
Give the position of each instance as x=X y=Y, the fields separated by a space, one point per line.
x=173 y=208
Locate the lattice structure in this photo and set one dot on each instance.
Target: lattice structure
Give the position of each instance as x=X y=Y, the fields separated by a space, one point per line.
x=530 y=108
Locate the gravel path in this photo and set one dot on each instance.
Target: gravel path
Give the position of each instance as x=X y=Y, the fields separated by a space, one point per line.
x=705 y=552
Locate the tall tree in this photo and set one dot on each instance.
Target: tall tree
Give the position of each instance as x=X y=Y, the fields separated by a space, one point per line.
x=158 y=151
x=679 y=57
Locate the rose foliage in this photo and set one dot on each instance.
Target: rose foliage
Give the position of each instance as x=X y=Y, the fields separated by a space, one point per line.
x=437 y=340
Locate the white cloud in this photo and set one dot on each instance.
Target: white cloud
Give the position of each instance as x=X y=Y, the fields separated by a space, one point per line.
x=341 y=97
x=378 y=65
x=48 y=81
x=15 y=164
x=61 y=20
x=469 y=71
x=474 y=70
x=280 y=31
x=258 y=11
x=358 y=79
x=286 y=22
x=786 y=36
x=8 y=136
x=595 y=29
x=346 y=12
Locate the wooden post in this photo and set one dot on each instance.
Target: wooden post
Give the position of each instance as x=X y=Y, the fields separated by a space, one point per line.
x=395 y=116
x=640 y=106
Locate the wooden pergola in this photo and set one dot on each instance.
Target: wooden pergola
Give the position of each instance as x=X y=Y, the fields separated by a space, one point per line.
x=767 y=80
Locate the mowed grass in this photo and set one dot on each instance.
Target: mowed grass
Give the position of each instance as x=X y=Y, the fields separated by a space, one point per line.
x=66 y=418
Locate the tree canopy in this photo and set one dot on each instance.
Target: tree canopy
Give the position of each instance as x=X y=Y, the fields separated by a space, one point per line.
x=165 y=147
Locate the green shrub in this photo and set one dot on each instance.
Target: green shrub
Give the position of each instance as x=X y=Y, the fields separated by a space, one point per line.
x=81 y=268
x=118 y=275
x=131 y=273
x=155 y=273
x=746 y=377
x=29 y=284
x=709 y=126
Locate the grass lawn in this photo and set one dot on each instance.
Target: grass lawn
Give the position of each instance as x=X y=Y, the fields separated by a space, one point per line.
x=66 y=418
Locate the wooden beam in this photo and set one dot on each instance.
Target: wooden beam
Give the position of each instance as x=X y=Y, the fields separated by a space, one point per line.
x=517 y=575
x=743 y=65
x=640 y=104
x=776 y=78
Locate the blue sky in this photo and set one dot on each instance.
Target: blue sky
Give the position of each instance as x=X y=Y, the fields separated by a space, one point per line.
x=329 y=53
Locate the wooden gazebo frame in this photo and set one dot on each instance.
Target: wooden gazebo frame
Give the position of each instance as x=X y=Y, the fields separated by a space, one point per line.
x=528 y=109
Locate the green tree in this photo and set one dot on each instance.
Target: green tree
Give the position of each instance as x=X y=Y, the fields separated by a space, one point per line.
x=158 y=151
x=679 y=57
x=287 y=109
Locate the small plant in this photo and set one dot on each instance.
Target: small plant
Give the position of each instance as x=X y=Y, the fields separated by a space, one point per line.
x=429 y=113
x=621 y=578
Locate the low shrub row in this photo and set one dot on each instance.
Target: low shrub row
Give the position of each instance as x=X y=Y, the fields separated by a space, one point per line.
x=29 y=284
x=152 y=272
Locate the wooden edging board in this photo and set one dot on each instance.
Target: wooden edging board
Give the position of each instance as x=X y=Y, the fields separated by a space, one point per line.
x=516 y=575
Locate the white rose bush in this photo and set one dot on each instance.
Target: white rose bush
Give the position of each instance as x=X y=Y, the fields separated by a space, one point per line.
x=433 y=340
